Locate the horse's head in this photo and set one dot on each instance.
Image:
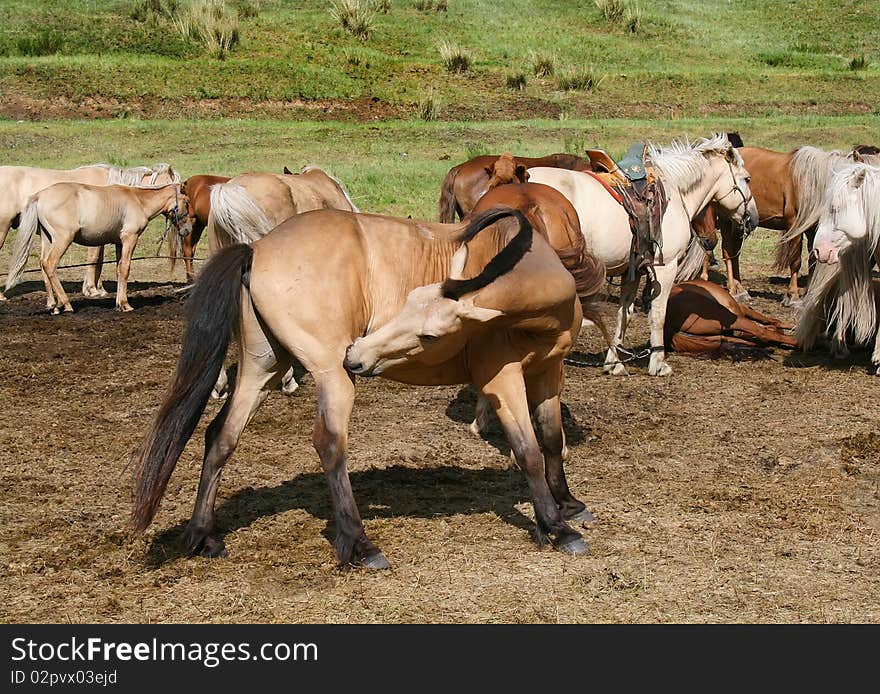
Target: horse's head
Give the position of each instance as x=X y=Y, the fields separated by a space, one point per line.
x=430 y=329
x=506 y=170
x=844 y=221
x=732 y=195
x=178 y=213
x=705 y=226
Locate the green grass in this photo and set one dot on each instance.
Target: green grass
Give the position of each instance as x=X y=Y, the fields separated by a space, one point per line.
x=692 y=57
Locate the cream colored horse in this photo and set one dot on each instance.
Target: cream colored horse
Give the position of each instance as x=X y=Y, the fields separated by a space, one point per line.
x=249 y=206
x=846 y=245
x=19 y=183
x=694 y=175
x=89 y=215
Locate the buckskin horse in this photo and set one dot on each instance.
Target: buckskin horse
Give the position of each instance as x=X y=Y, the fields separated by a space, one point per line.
x=250 y=205
x=847 y=244
x=89 y=215
x=466 y=183
x=693 y=175
x=485 y=302
x=18 y=183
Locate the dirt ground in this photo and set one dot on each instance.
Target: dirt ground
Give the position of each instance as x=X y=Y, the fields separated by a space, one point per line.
x=728 y=492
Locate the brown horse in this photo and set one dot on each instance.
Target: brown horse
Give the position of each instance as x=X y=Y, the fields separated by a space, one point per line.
x=703 y=318
x=788 y=188
x=466 y=183
x=198 y=190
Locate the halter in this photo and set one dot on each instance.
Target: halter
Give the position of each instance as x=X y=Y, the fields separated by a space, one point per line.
x=745 y=201
x=173 y=211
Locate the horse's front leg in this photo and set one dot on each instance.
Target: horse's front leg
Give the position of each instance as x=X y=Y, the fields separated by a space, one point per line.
x=731 y=248
x=506 y=391
x=657 y=365
x=792 y=295
x=330 y=438
x=613 y=364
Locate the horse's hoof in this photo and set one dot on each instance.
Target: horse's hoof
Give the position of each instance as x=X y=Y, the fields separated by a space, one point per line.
x=375 y=561
x=574 y=546
x=55 y=310
x=125 y=308
x=583 y=517
x=213 y=549
x=290 y=388
x=617 y=370
x=664 y=370
x=566 y=454
x=217 y=396
x=877 y=372
x=2 y=296
x=742 y=296
x=474 y=428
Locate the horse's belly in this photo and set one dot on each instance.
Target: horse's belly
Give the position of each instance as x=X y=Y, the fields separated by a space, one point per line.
x=96 y=237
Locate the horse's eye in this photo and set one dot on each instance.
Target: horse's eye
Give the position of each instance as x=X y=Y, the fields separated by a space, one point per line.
x=428 y=338
x=748 y=179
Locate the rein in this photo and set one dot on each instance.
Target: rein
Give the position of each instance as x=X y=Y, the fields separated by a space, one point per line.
x=630 y=356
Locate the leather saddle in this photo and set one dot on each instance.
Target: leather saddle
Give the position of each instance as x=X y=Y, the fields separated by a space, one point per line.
x=634 y=183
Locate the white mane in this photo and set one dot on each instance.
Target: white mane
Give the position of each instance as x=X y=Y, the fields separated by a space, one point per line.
x=683 y=164
x=811 y=170
x=842 y=294
x=133 y=175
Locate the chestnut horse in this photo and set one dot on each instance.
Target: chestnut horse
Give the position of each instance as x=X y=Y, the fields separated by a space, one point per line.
x=198 y=190
x=703 y=318
x=466 y=183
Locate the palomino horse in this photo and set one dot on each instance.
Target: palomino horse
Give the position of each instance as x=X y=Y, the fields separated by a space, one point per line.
x=400 y=283
x=18 y=183
x=65 y=213
x=693 y=175
x=703 y=318
x=847 y=244
x=198 y=191
x=250 y=205
x=468 y=182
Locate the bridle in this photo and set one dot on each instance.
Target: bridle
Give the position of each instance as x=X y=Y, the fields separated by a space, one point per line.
x=175 y=213
x=745 y=200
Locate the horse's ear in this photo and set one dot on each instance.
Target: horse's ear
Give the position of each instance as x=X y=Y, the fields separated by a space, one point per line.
x=470 y=311
x=855 y=155
x=522 y=173
x=857 y=180
x=288 y=171
x=735 y=139
x=459 y=260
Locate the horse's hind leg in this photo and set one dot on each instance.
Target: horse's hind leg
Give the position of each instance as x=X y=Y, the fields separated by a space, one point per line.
x=262 y=362
x=92 y=286
x=49 y=265
x=330 y=438
x=543 y=395
x=761 y=333
x=613 y=364
x=731 y=248
x=506 y=390
x=5 y=224
x=795 y=250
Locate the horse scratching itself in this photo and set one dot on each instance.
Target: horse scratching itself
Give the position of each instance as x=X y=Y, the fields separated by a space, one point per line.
x=482 y=302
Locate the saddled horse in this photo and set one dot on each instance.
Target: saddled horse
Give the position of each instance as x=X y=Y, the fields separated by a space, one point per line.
x=89 y=215
x=18 y=183
x=847 y=245
x=198 y=191
x=693 y=175
x=466 y=183
x=250 y=205
x=485 y=302
x=703 y=318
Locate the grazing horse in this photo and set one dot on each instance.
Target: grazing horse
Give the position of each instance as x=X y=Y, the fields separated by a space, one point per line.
x=65 y=213
x=703 y=318
x=198 y=191
x=483 y=302
x=250 y=205
x=19 y=183
x=693 y=176
x=466 y=183
x=847 y=244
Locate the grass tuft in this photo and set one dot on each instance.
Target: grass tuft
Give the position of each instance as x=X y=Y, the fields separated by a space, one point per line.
x=517 y=81
x=612 y=10
x=544 y=63
x=354 y=16
x=429 y=107
x=454 y=57
x=585 y=79
x=210 y=23
x=860 y=62
x=44 y=42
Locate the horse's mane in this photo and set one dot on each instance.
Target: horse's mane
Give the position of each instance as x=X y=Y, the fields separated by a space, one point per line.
x=811 y=170
x=132 y=176
x=683 y=164
x=311 y=167
x=842 y=294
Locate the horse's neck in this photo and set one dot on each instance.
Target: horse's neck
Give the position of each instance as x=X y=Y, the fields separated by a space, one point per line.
x=153 y=201
x=698 y=196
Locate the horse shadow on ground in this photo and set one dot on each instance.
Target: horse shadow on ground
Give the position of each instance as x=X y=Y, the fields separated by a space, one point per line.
x=79 y=302
x=463 y=407
x=859 y=359
x=381 y=493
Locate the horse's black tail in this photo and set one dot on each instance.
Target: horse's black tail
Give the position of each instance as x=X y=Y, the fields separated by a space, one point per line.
x=212 y=313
